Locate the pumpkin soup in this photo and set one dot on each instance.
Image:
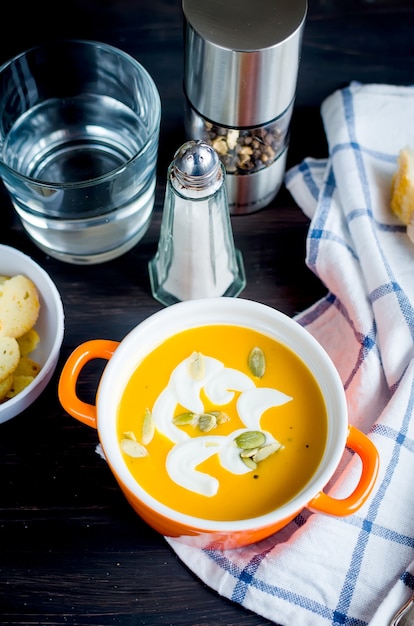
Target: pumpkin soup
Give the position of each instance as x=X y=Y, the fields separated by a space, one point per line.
x=222 y=422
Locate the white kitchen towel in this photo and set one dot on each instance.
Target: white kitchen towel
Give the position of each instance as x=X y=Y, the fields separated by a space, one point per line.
x=356 y=570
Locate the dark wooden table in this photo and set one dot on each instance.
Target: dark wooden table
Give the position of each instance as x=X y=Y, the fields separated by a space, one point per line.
x=72 y=551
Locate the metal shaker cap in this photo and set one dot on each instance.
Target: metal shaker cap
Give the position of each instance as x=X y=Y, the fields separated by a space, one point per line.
x=242 y=58
x=196 y=165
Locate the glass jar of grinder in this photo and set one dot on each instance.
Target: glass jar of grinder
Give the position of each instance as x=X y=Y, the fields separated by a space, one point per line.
x=240 y=73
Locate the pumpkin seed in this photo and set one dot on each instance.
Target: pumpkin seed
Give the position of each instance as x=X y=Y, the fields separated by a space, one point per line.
x=250 y=452
x=250 y=439
x=207 y=422
x=184 y=419
x=133 y=448
x=266 y=451
x=148 y=428
x=220 y=416
x=197 y=366
x=257 y=362
x=249 y=462
x=130 y=435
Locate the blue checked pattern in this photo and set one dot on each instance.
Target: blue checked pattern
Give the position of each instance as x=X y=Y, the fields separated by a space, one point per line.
x=358 y=570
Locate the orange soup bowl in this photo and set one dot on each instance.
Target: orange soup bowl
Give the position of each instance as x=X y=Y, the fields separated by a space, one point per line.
x=221 y=419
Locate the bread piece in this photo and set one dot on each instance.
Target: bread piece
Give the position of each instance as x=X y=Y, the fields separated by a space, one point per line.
x=402 y=188
x=2 y=281
x=27 y=367
x=9 y=356
x=19 y=306
x=28 y=342
x=5 y=386
x=20 y=382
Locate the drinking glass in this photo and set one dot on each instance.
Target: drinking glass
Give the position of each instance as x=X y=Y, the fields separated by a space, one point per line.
x=79 y=131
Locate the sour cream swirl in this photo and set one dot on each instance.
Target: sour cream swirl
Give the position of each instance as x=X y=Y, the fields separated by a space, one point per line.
x=219 y=384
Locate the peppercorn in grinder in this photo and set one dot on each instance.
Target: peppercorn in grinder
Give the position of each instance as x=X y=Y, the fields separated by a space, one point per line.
x=240 y=73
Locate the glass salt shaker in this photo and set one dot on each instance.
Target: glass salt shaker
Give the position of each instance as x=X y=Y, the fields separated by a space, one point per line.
x=196 y=257
x=241 y=65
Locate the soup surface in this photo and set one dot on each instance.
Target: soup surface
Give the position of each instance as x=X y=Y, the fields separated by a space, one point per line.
x=222 y=422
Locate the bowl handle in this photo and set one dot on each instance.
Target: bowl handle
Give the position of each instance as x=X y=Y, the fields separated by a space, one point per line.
x=368 y=453
x=94 y=349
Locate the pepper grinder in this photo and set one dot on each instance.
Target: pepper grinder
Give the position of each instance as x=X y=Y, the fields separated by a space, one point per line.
x=196 y=257
x=241 y=64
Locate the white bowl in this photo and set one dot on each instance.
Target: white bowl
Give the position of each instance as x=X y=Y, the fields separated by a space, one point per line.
x=50 y=327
